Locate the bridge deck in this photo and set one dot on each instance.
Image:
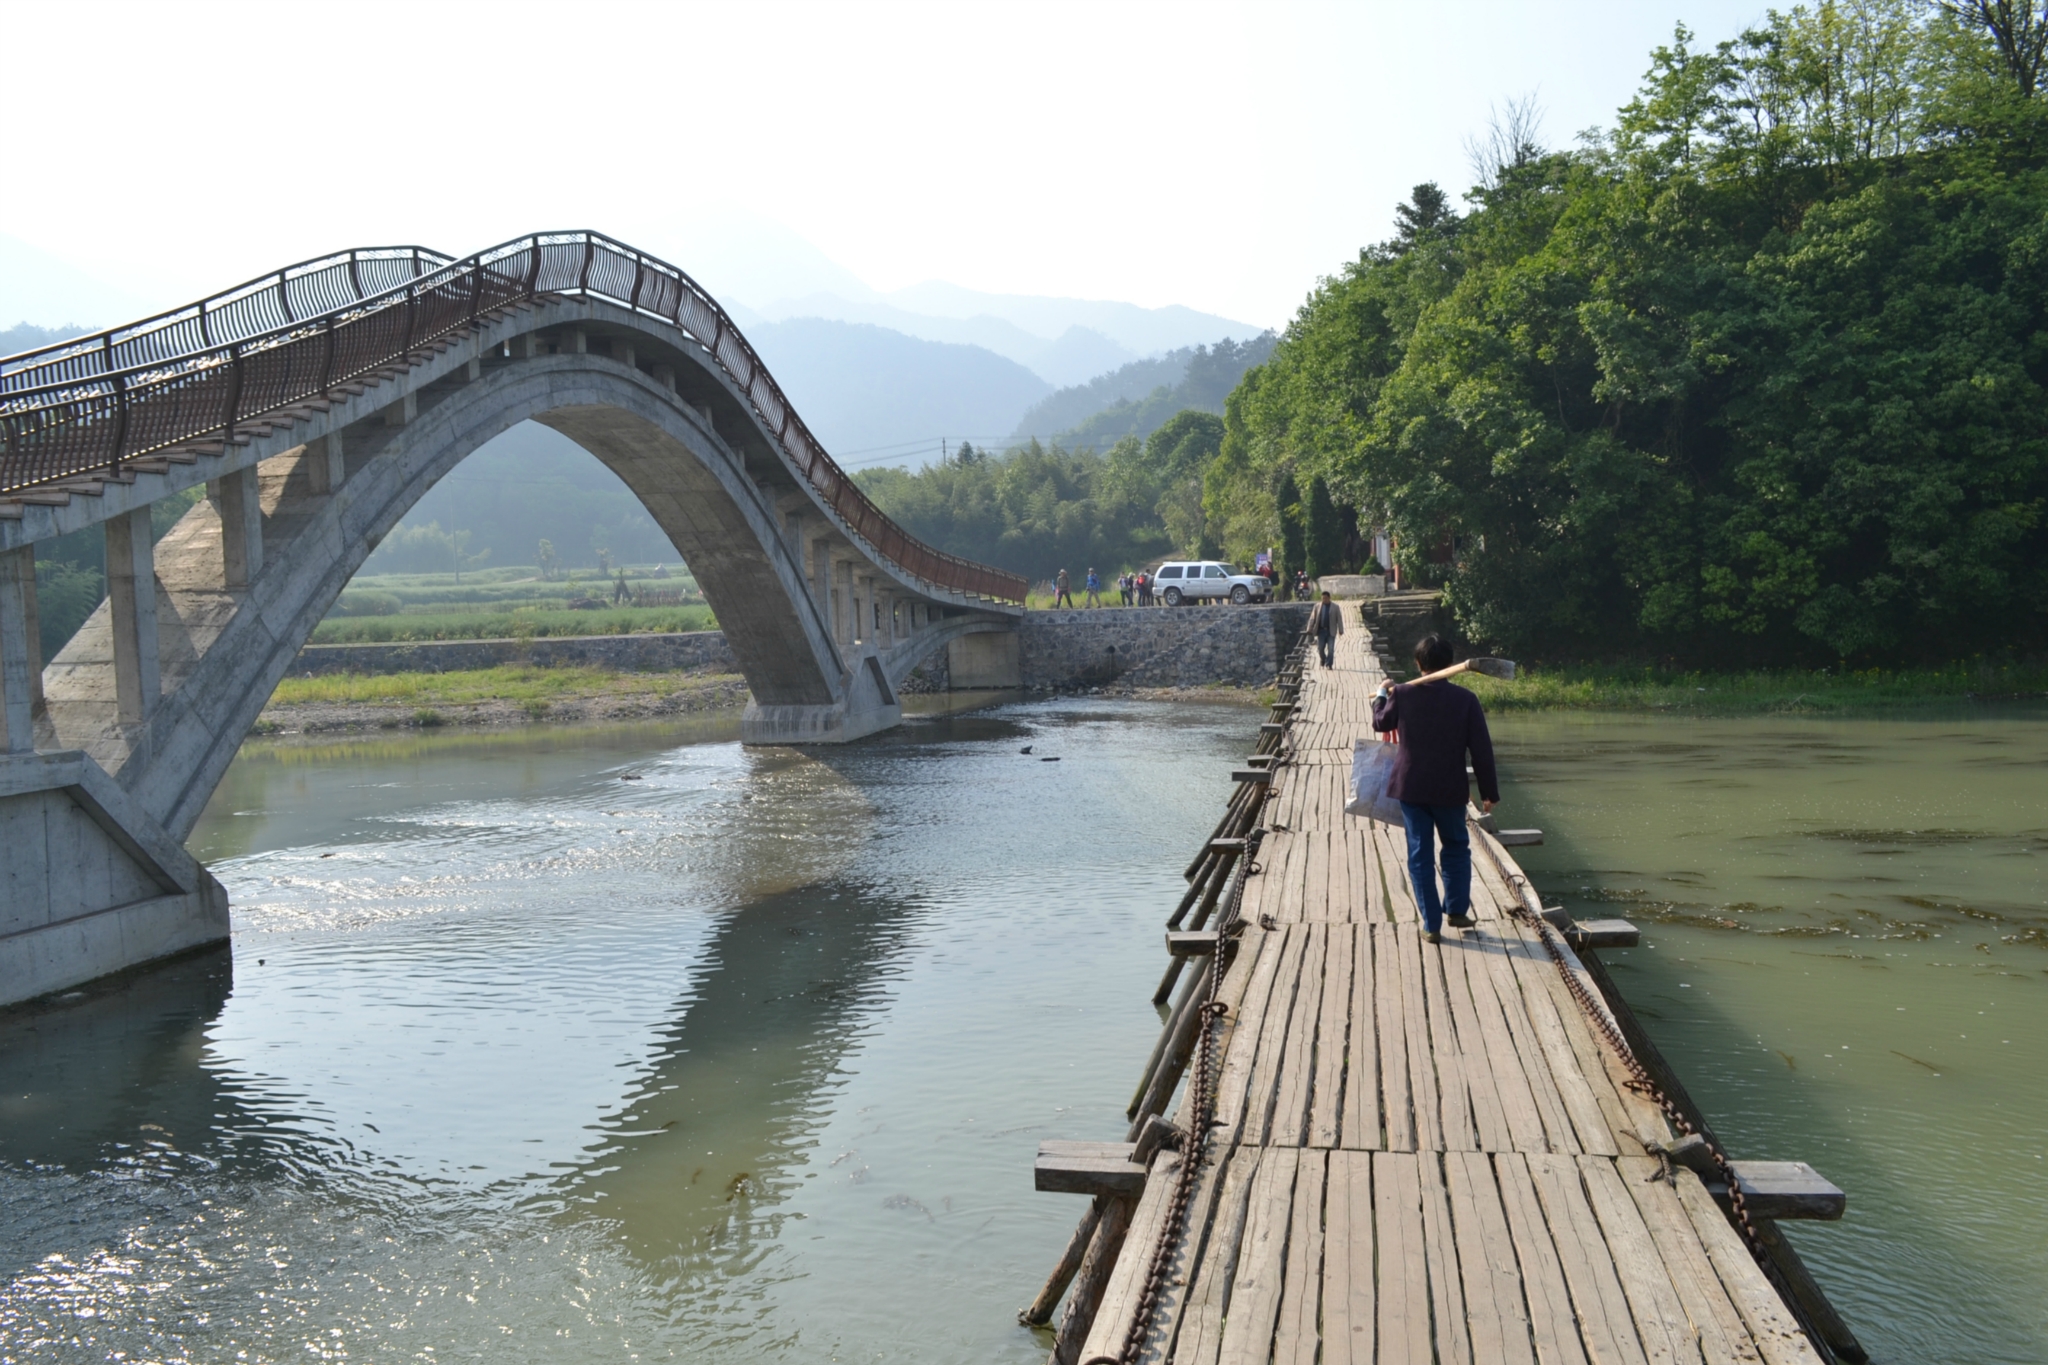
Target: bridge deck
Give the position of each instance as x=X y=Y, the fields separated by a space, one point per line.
x=1422 y=1153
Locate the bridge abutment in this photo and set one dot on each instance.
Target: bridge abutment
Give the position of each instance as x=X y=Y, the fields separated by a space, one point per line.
x=89 y=884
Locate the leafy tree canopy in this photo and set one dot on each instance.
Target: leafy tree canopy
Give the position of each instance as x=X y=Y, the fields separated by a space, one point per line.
x=1759 y=373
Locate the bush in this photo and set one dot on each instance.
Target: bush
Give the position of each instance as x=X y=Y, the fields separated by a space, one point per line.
x=367 y=604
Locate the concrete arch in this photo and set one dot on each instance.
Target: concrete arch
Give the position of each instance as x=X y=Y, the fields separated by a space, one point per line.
x=160 y=686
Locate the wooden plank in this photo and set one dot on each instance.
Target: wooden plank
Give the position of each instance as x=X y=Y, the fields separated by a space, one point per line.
x=1238 y=1037
x=1582 y=1253
x=1553 y=1326
x=1471 y=984
x=1087 y=1168
x=1446 y=1290
x=1315 y=882
x=1127 y=1281
x=1362 y=1115
x=1253 y=1310
x=1333 y=1026
x=1446 y=971
x=1397 y=1108
x=1486 y=1262
x=1297 y=1336
x=1263 y=1084
x=1349 y=1254
x=1432 y=1075
x=1771 y=1324
x=1541 y=983
x=1394 y=863
x=1653 y=1301
x=1715 y=1324
x=1243 y=975
x=1545 y=1086
x=1295 y=1090
x=1184 y=1260
x=1403 y=1327
x=1201 y=1323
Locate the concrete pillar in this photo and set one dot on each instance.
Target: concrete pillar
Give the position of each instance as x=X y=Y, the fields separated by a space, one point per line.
x=847 y=633
x=238 y=499
x=886 y=638
x=665 y=375
x=622 y=351
x=402 y=411
x=131 y=595
x=821 y=582
x=20 y=651
x=576 y=341
x=529 y=347
x=474 y=370
x=325 y=467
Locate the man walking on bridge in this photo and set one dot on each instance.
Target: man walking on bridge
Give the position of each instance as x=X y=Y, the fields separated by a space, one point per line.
x=1326 y=619
x=1093 y=596
x=1060 y=592
x=1438 y=724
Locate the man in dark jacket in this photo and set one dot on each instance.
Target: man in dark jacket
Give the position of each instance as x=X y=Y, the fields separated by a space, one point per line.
x=1327 y=621
x=1438 y=723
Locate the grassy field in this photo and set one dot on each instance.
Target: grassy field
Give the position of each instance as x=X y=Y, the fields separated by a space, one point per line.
x=511 y=602
x=533 y=688
x=1789 y=692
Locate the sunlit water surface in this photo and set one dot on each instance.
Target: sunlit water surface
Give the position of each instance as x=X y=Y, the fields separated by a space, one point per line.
x=636 y=1045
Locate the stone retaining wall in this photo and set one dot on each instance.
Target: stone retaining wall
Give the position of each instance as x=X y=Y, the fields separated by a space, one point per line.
x=1158 y=646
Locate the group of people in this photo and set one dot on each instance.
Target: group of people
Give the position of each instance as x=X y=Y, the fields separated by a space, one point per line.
x=1133 y=589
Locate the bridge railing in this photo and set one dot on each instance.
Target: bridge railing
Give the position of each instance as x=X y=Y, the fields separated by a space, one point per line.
x=86 y=406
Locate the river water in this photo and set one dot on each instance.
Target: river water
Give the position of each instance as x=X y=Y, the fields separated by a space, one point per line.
x=632 y=1044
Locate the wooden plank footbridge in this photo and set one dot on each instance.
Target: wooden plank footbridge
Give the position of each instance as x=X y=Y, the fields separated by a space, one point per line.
x=1383 y=1150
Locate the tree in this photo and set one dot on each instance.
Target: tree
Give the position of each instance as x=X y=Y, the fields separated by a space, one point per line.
x=1293 y=538
x=2019 y=31
x=1428 y=210
x=550 y=563
x=1324 y=542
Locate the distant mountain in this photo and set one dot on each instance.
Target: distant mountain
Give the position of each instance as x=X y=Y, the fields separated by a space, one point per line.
x=1137 y=399
x=25 y=336
x=1142 y=331
x=868 y=391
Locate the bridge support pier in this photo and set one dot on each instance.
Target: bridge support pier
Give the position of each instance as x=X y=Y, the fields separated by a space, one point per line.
x=238 y=499
x=131 y=599
x=21 y=667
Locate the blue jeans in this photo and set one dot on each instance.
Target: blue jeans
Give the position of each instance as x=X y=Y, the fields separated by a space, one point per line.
x=1424 y=824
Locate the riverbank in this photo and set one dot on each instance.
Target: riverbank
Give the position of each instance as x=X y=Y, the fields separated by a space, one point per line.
x=518 y=695
x=503 y=696
x=1789 y=692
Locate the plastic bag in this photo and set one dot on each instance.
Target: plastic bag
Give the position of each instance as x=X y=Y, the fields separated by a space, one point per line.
x=1372 y=767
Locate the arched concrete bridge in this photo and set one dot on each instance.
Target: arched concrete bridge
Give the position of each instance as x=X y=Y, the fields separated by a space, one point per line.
x=318 y=405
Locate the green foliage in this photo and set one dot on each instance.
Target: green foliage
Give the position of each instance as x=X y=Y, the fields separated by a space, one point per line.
x=1036 y=509
x=1206 y=375
x=1324 y=542
x=1293 y=531
x=1757 y=377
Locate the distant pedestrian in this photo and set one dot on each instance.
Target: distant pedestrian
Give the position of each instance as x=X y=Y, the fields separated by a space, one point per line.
x=1124 y=590
x=1093 y=596
x=1060 y=591
x=1142 y=584
x=1438 y=723
x=1326 y=619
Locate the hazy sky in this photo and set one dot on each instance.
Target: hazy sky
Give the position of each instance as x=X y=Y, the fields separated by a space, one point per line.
x=1217 y=155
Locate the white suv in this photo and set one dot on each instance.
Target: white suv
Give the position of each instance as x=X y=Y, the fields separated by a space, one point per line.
x=1188 y=581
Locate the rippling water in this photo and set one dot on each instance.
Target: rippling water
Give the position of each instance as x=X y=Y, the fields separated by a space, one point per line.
x=1846 y=960
x=609 y=1045
x=633 y=1044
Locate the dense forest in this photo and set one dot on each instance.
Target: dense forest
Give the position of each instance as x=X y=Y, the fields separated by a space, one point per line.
x=1138 y=398
x=1755 y=375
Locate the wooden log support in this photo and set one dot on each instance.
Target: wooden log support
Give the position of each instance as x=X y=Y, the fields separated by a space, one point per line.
x=1519 y=838
x=1165 y=1074
x=1039 y=1311
x=1783 y=1189
x=1602 y=933
x=1197 y=986
x=1192 y=943
x=1250 y=775
x=1226 y=845
x=1091 y=1280
x=1272 y=727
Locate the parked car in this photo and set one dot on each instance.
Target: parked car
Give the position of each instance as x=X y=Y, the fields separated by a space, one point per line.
x=1187 y=580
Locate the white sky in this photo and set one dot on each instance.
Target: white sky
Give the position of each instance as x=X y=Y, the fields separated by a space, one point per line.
x=1216 y=155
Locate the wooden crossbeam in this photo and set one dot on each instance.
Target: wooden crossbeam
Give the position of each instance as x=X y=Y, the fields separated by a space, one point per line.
x=1087 y=1168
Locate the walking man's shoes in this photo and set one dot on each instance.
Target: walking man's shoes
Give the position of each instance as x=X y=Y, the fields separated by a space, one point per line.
x=1432 y=936
x=1460 y=921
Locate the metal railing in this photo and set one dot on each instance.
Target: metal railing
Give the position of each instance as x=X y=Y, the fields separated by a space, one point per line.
x=86 y=406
